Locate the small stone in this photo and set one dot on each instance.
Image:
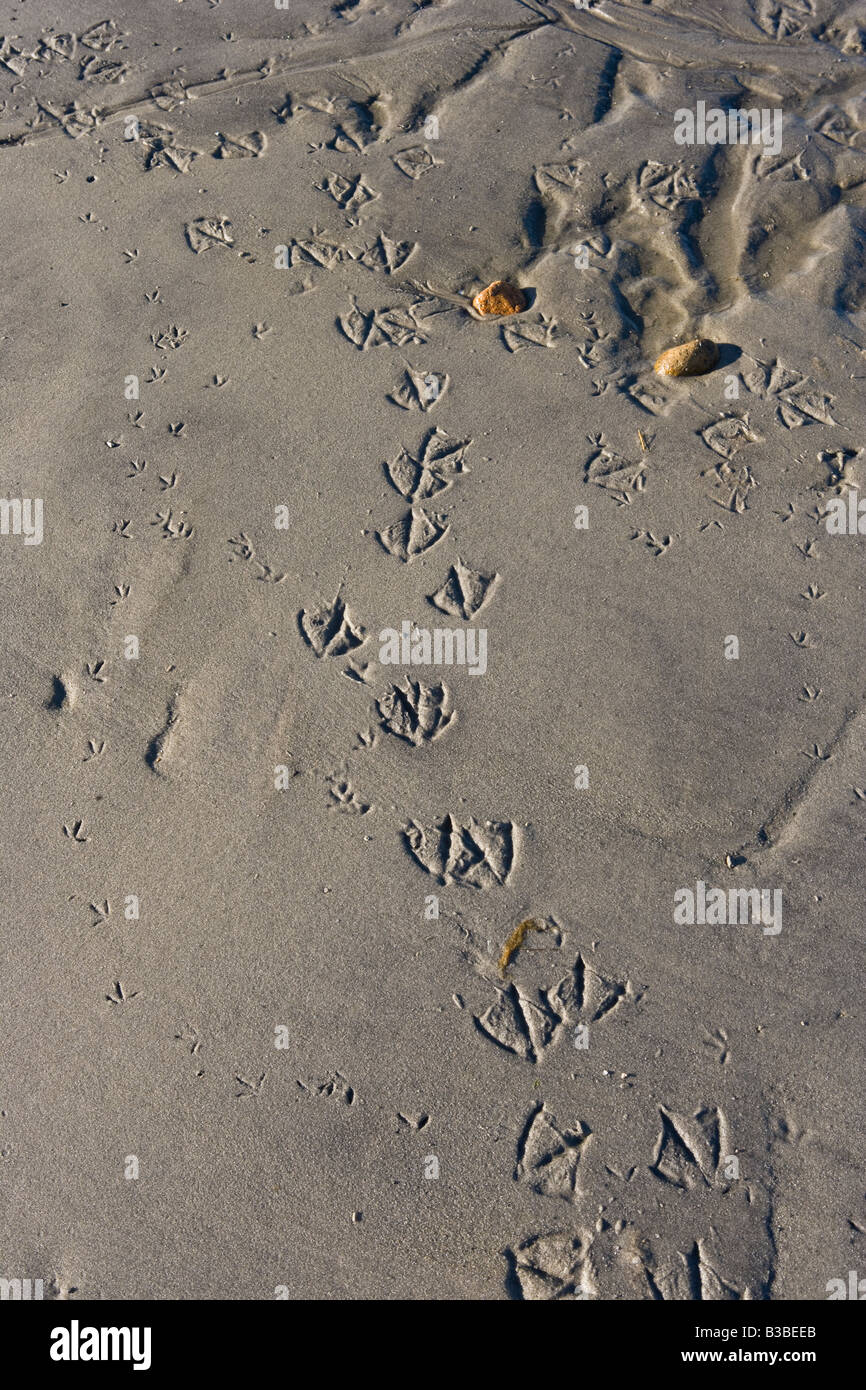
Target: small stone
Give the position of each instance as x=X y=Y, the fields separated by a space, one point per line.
x=688 y=359
x=499 y=298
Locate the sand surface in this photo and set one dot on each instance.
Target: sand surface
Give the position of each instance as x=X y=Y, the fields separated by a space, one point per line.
x=257 y=1041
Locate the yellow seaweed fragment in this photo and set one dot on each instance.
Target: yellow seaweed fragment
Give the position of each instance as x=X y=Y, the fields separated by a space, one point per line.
x=515 y=940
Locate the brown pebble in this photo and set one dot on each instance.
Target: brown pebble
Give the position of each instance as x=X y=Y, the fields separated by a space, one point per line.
x=500 y=298
x=688 y=359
